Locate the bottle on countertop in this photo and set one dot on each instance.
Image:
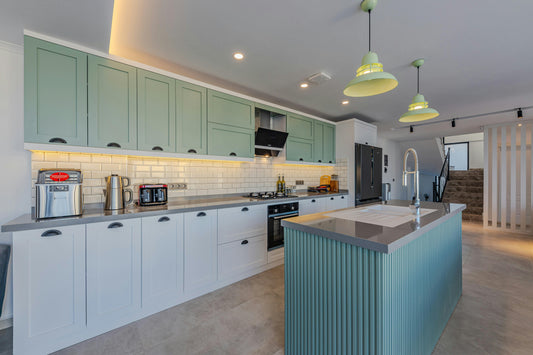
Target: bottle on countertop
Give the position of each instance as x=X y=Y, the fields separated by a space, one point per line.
x=283 y=184
x=278 y=184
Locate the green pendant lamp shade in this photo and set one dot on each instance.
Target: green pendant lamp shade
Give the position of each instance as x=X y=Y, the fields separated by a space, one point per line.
x=419 y=109
x=370 y=78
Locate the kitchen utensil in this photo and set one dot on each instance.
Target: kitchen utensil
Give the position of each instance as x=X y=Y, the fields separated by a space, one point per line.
x=58 y=193
x=115 y=191
x=150 y=195
x=325 y=180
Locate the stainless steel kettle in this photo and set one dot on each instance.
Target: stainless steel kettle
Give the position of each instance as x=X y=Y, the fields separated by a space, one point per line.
x=115 y=192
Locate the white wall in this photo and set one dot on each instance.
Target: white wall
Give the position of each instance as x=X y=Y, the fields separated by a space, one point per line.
x=393 y=175
x=475 y=148
x=15 y=175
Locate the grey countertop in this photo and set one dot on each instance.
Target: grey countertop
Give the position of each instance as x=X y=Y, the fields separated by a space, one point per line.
x=185 y=204
x=372 y=236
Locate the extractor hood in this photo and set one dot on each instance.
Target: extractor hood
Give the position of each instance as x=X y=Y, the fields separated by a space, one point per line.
x=269 y=142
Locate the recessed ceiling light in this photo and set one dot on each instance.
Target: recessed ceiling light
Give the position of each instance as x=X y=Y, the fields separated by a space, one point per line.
x=304 y=85
x=345 y=102
x=238 y=55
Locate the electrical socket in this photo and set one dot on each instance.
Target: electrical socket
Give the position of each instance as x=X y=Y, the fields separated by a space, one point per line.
x=299 y=182
x=177 y=186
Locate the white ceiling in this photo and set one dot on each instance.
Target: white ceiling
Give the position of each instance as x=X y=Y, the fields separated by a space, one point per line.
x=478 y=53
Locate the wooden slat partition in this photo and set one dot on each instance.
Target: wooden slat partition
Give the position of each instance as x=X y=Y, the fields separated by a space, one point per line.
x=508 y=183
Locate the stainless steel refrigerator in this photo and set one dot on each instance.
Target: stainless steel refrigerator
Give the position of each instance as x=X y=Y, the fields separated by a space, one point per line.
x=368 y=170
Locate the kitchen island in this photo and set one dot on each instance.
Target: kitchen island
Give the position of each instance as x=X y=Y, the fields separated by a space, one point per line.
x=372 y=279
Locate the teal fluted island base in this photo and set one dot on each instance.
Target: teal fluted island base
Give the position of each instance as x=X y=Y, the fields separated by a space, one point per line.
x=342 y=298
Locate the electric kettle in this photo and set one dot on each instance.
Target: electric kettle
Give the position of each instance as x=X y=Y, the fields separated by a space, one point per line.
x=115 y=191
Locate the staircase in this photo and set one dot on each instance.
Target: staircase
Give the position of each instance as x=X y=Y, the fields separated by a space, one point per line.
x=466 y=187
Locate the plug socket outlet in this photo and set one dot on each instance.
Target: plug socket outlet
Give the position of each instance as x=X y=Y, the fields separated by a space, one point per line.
x=177 y=186
x=299 y=182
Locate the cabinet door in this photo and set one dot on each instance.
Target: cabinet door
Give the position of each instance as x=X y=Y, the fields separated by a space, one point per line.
x=49 y=287
x=191 y=118
x=112 y=104
x=240 y=256
x=162 y=260
x=299 y=149
x=329 y=143
x=251 y=222
x=230 y=110
x=113 y=271
x=55 y=93
x=200 y=235
x=156 y=104
x=365 y=134
x=336 y=202
x=230 y=141
x=318 y=143
x=300 y=126
x=314 y=205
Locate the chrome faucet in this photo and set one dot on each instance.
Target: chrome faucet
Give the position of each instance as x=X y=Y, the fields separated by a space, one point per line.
x=416 y=179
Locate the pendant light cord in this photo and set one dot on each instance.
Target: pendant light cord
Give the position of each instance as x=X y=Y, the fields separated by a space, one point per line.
x=369 y=30
x=418 y=80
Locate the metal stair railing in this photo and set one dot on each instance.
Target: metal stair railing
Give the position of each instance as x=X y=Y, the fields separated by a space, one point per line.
x=439 y=185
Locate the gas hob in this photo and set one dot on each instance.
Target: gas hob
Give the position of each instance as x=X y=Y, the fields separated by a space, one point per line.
x=269 y=195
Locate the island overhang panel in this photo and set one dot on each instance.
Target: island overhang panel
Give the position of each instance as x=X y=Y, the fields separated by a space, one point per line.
x=344 y=298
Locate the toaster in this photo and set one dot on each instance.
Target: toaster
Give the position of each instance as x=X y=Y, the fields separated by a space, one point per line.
x=151 y=195
x=58 y=193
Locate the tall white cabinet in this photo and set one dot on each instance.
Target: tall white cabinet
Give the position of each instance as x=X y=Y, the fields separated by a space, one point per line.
x=113 y=271
x=49 y=285
x=162 y=261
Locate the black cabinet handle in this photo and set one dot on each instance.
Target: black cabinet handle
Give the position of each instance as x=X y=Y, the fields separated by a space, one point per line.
x=157 y=148
x=51 y=233
x=244 y=242
x=113 y=145
x=115 y=225
x=320 y=161
x=201 y=214
x=330 y=162
x=342 y=197
x=57 y=140
x=332 y=198
x=245 y=209
x=163 y=219
x=313 y=201
x=192 y=151
x=301 y=159
x=232 y=154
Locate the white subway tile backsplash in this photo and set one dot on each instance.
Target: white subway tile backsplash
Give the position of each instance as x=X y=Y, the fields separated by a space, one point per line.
x=203 y=177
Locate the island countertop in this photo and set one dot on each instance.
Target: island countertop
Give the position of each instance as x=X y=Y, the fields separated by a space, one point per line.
x=372 y=236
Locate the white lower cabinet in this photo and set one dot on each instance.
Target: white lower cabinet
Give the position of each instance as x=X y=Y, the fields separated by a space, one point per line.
x=113 y=272
x=314 y=205
x=241 y=222
x=49 y=288
x=336 y=202
x=200 y=250
x=162 y=261
x=240 y=256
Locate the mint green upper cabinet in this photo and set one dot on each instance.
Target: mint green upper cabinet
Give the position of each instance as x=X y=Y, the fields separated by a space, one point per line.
x=156 y=104
x=299 y=149
x=299 y=126
x=191 y=118
x=230 y=110
x=329 y=143
x=112 y=104
x=55 y=93
x=230 y=141
x=318 y=143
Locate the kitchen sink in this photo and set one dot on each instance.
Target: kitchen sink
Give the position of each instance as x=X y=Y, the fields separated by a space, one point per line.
x=382 y=215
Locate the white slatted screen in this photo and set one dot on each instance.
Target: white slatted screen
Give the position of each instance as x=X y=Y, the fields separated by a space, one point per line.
x=507 y=184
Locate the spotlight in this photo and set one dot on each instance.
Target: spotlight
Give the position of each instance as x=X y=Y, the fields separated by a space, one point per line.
x=519 y=113
x=411 y=129
x=453 y=123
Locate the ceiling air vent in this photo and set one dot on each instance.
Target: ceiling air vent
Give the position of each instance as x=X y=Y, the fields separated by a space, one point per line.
x=318 y=78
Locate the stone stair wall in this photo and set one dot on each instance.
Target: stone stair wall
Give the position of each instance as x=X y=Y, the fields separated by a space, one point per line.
x=466 y=187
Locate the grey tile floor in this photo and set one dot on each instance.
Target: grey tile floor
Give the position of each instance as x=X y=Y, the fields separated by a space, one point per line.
x=493 y=316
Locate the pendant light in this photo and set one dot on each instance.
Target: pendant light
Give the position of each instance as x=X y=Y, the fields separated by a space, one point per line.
x=418 y=109
x=370 y=78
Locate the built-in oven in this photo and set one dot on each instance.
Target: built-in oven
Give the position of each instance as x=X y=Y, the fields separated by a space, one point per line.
x=276 y=213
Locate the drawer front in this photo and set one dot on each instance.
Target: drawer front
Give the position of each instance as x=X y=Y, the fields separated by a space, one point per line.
x=242 y=255
x=241 y=222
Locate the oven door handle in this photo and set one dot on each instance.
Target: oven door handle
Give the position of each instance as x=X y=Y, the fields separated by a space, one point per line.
x=286 y=216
